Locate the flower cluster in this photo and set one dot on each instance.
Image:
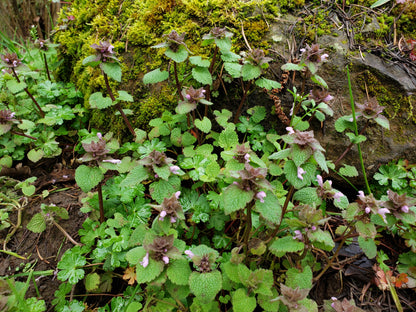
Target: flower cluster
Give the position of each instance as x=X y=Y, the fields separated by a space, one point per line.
x=193 y=95
x=320 y=95
x=42 y=44
x=96 y=150
x=104 y=51
x=11 y=60
x=369 y=204
x=170 y=208
x=203 y=257
x=370 y=109
x=156 y=160
x=399 y=204
x=313 y=53
x=217 y=33
x=304 y=139
x=174 y=40
x=252 y=179
x=257 y=57
x=325 y=190
x=160 y=249
x=7 y=120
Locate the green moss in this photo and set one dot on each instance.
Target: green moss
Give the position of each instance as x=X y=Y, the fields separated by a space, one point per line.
x=397 y=104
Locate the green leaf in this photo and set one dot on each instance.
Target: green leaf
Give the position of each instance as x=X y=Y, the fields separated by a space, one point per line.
x=366 y=230
x=26 y=124
x=37 y=224
x=179 y=271
x=235 y=199
x=242 y=302
x=344 y=122
x=228 y=138
x=205 y=286
x=319 y=80
x=135 y=255
x=202 y=75
x=4 y=128
x=87 y=177
x=299 y=155
x=281 y=154
x=250 y=72
x=356 y=139
x=368 y=246
x=222 y=117
x=308 y=195
x=378 y=3
x=70 y=264
x=185 y=107
x=112 y=70
x=224 y=44
x=271 y=209
x=90 y=61
x=321 y=160
x=92 y=282
x=348 y=171
x=135 y=177
x=286 y=244
x=15 y=87
x=291 y=171
x=299 y=278
x=382 y=121
x=266 y=303
x=155 y=76
x=179 y=56
x=159 y=190
x=291 y=66
x=97 y=100
x=228 y=56
x=321 y=239
x=150 y=272
x=134 y=307
x=198 y=61
x=124 y=96
x=267 y=84
x=204 y=125
x=35 y=155
x=234 y=69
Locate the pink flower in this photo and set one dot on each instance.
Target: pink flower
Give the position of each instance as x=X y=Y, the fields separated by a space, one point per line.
x=382 y=212
x=162 y=215
x=337 y=196
x=165 y=259
x=113 y=161
x=298 y=235
x=189 y=253
x=367 y=210
x=261 y=195
x=177 y=194
x=300 y=173
x=172 y=219
x=247 y=157
x=174 y=169
x=320 y=180
x=290 y=130
x=145 y=261
x=405 y=209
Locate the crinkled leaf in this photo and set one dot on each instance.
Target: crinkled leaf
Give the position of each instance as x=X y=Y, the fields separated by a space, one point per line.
x=291 y=66
x=179 y=271
x=228 y=56
x=270 y=210
x=356 y=139
x=124 y=96
x=198 y=61
x=228 y=138
x=202 y=75
x=281 y=154
x=37 y=224
x=267 y=84
x=150 y=272
x=286 y=244
x=291 y=171
x=321 y=160
x=92 y=282
x=319 y=80
x=308 y=195
x=299 y=278
x=15 y=87
x=97 y=100
x=35 y=155
x=234 y=69
x=250 y=72
x=205 y=286
x=321 y=240
x=204 y=125
x=185 y=107
x=242 y=302
x=179 y=56
x=348 y=171
x=135 y=177
x=87 y=177
x=235 y=199
x=155 y=76
x=113 y=70
x=368 y=246
x=344 y=122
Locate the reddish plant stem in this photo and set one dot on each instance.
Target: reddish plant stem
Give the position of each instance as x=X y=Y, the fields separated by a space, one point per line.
x=243 y=99
x=42 y=114
x=46 y=66
x=100 y=203
x=247 y=230
x=23 y=135
x=110 y=93
x=178 y=85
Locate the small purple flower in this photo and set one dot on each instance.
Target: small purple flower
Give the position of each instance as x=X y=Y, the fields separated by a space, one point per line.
x=298 y=235
x=337 y=196
x=165 y=259
x=189 y=253
x=177 y=194
x=320 y=180
x=99 y=135
x=145 y=261
x=174 y=169
x=172 y=219
x=367 y=210
x=300 y=173
x=313 y=228
x=261 y=195
x=290 y=130
x=382 y=212
x=162 y=215
x=247 y=157
x=112 y=161
x=405 y=209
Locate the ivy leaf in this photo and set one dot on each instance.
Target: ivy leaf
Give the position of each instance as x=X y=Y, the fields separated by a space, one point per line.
x=179 y=56
x=282 y=246
x=250 y=71
x=202 y=75
x=155 y=76
x=205 y=286
x=235 y=199
x=179 y=271
x=267 y=84
x=97 y=100
x=37 y=224
x=87 y=177
x=204 y=125
x=242 y=302
x=113 y=70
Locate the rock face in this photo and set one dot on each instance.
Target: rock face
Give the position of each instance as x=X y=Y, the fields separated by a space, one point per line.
x=393 y=84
